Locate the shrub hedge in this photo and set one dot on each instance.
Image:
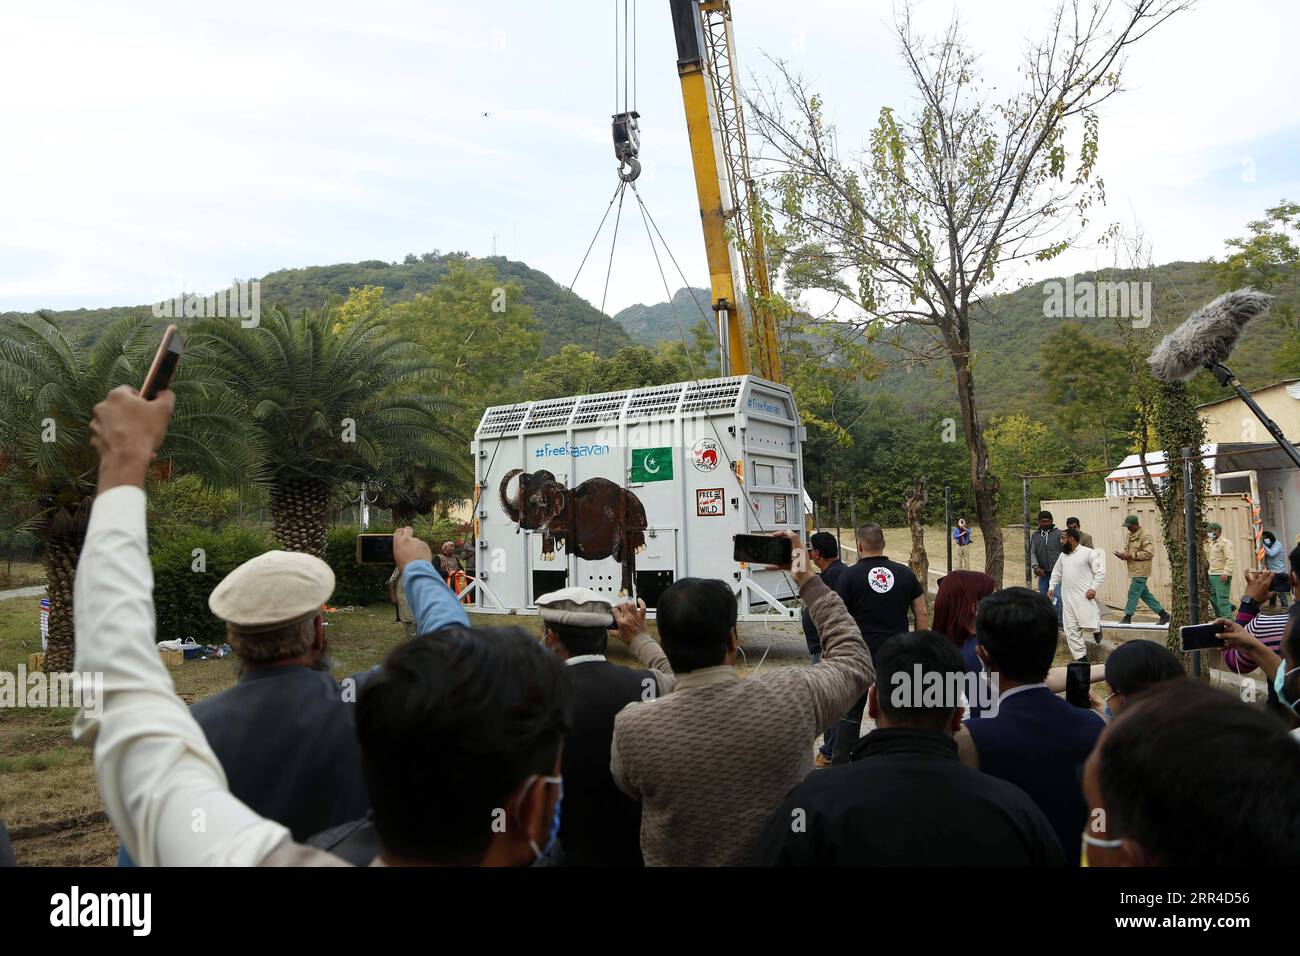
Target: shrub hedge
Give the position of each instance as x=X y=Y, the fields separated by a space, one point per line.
x=355 y=583
x=182 y=586
x=182 y=582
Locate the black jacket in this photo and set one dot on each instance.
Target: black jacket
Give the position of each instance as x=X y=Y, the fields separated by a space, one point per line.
x=829 y=576
x=600 y=825
x=286 y=739
x=1046 y=548
x=1039 y=743
x=6 y=848
x=906 y=800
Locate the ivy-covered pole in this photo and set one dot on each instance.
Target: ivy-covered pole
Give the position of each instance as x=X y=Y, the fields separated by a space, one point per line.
x=1177 y=426
x=1191 y=511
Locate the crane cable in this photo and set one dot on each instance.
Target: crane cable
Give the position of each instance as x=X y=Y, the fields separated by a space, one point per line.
x=627 y=135
x=629 y=72
x=568 y=294
x=690 y=360
x=604 y=295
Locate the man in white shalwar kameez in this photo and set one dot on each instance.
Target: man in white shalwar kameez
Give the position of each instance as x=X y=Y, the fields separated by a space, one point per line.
x=1077 y=577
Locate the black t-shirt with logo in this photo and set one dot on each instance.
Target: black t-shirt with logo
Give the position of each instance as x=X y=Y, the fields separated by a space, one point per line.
x=878 y=593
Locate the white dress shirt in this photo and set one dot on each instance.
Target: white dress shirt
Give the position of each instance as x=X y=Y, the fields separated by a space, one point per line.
x=163 y=788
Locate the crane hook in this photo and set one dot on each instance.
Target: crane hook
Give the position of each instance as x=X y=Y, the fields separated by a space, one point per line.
x=627 y=144
x=632 y=170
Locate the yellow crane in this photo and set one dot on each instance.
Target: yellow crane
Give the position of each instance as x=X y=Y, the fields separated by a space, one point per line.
x=729 y=212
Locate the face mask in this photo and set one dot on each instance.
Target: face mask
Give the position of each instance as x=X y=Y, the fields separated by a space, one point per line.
x=1279 y=685
x=538 y=853
x=1091 y=840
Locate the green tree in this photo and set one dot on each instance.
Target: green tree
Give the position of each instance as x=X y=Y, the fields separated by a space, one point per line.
x=869 y=462
x=1019 y=445
x=823 y=363
x=1268 y=259
x=567 y=372
x=48 y=390
x=188 y=500
x=478 y=331
x=1085 y=382
x=331 y=408
x=575 y=371
x=361 y=303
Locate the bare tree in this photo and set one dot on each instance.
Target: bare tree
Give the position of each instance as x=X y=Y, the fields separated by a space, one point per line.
x=920 y=226
x=915 y=502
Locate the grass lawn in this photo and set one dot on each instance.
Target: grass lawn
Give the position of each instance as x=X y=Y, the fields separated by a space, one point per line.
x=49 y=798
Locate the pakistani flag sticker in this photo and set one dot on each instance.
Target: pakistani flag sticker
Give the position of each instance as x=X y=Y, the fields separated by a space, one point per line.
x=652 y=464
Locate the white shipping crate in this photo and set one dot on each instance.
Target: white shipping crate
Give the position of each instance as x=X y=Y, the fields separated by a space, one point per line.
x=706 y=460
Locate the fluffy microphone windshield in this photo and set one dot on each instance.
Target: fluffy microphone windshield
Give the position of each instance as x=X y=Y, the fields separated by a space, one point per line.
x=1207 y=336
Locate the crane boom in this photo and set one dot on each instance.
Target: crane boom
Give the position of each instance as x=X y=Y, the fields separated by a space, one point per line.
x=733 y=242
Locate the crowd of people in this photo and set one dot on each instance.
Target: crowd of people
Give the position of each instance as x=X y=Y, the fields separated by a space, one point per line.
x=476 y=746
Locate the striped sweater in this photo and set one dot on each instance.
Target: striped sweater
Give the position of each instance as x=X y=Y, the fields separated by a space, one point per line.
x=1268 y=628
x=713 y=760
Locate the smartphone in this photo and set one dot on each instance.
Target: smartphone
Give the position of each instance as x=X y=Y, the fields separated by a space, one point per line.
x=1078 y=676
x=762 y=549
x=1281 y=584
x=375 y=549
x=164 y=364
x=1200 y=637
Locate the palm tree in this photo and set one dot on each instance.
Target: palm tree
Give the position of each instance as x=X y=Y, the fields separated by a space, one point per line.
x=48 y=389
x=334 y=404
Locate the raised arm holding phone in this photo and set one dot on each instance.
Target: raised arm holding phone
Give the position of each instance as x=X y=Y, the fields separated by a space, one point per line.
x=153 y=763
x=155 y=766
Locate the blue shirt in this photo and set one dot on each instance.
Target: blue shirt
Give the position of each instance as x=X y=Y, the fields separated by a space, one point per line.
x=1275 y=557
x=433 y=605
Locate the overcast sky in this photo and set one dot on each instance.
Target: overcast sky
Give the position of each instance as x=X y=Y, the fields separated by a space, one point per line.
x=154 y=147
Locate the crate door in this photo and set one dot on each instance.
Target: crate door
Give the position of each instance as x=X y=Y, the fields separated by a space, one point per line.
x=545 y=576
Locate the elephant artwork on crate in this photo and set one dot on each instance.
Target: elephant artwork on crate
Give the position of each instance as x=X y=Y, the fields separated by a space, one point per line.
x=598 y=519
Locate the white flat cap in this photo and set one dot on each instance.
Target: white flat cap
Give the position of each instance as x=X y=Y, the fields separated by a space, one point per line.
x=272 y=590
x=579 y=607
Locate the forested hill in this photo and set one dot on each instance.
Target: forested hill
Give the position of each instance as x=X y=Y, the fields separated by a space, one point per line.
x=1009 y=343
x=564 y=318
x=647 y=324
x=1010 y=337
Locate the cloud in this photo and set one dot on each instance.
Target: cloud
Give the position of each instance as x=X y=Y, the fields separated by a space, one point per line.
x=174 y=139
